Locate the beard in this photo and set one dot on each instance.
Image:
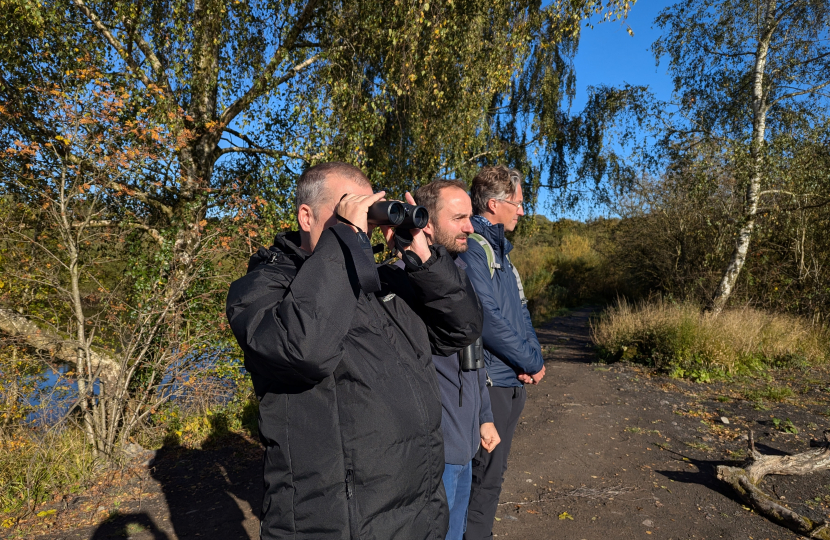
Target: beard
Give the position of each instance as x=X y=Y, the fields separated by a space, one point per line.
x=454 y=243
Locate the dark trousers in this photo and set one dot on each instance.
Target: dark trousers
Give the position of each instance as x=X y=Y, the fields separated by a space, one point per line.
x=488 y=469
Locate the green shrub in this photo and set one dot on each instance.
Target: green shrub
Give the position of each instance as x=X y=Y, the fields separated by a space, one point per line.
x=770 y=393
x=679 y=339
x=558 y=272
x=193 y=427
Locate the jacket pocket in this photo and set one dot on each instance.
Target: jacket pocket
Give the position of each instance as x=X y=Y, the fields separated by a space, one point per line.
x=351 y=500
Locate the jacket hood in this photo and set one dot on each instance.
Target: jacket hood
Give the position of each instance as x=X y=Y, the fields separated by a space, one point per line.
x=494 y=234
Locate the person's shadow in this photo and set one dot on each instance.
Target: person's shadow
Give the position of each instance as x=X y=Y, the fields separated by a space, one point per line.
x=215 y=492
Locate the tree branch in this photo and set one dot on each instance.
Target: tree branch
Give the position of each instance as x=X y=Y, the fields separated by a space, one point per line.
x=267 y=151
x=707 y=50
x=119 y=47
x=296 y=70
x=143 y=197
x=151 y=57
x=124 y=225
x=262 y=81
x=799 y=93
x=65 y=350
x=780 y=191
x=243 y=137
x=746 y=482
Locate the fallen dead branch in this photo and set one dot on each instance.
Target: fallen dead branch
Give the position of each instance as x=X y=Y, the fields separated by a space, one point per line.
x=746 y=482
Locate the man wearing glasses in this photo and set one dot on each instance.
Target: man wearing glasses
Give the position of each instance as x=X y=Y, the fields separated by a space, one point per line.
x=512 y=353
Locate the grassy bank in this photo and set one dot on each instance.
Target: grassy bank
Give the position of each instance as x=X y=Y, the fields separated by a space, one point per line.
x=37 y=466
x=678 y=339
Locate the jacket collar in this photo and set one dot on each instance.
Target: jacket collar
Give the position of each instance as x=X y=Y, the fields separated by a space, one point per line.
x=494 y=234
x=289 y=243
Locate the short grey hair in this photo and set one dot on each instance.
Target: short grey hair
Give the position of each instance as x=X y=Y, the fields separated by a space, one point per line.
x=311 y=186
x=493 y=182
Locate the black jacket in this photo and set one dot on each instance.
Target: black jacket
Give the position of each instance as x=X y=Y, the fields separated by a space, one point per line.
x=350 y=410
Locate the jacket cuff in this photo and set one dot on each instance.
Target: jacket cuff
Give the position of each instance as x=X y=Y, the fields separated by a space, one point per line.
x=415 y=264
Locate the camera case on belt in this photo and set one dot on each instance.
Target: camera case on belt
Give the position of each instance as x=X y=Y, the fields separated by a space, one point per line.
x=471 y=357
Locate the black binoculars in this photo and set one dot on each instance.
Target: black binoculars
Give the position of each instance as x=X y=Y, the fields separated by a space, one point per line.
x=471 y=356
x=398 y=214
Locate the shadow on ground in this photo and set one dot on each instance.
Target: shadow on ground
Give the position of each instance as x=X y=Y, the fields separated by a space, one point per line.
x=706 y=474
x=214 y=492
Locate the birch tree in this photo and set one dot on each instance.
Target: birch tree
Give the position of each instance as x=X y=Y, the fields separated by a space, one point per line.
x=744 y=71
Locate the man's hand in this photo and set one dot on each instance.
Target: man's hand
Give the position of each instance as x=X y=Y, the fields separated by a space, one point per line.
x=355 y=207
x=420 y=245
x=489 y=436
x=526 y=378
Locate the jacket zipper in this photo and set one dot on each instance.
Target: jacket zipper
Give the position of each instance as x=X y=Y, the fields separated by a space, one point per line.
x=349 y=483
x=352 y=504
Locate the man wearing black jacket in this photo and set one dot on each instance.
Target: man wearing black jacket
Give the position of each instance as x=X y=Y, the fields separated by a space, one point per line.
x=340 y=356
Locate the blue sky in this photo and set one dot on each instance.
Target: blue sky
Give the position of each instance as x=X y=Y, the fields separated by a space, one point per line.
x=609 y=55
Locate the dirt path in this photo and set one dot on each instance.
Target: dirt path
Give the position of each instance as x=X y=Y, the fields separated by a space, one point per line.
x=601 y=452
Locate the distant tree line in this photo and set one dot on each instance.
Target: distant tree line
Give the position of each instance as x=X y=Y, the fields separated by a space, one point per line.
x=727 y=186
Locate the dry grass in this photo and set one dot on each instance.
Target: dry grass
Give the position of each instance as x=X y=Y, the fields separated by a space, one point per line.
x=37 y=466
x=678 y=338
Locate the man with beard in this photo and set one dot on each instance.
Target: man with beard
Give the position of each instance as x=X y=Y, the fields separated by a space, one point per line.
x=466 y=419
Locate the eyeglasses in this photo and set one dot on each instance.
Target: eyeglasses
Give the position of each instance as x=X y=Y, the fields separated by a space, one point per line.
x=516 y=204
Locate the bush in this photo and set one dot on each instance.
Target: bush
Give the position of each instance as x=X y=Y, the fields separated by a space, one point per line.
x=195 y=423
x=679 y=339
x=562 y=266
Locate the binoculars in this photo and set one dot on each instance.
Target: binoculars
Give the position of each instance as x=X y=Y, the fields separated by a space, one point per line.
x=471 y=356
x=398 y=214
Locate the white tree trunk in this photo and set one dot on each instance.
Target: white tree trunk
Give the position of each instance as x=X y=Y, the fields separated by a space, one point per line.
x=759 y=121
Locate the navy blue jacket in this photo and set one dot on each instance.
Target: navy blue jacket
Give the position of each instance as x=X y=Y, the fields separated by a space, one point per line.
x=510 y=343
x=460 y=423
